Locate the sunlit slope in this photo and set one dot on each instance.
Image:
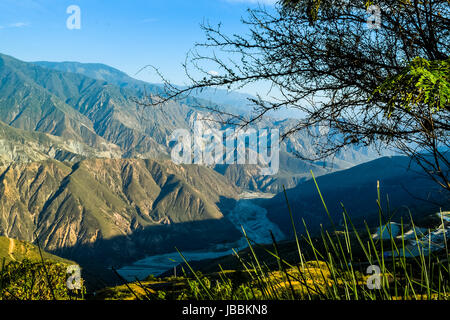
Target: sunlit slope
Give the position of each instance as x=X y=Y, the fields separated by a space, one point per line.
x=107 y=210
x=18 y=250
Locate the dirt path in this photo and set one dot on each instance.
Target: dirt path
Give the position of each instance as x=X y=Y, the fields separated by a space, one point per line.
x=11 y=249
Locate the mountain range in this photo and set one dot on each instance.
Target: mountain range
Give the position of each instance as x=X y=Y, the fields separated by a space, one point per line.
x=108 y=211
x=135 y=129
x=87 y=171
x=405 y=190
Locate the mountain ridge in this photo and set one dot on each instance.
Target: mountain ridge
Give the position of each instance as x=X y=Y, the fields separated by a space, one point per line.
x=241 y=175
x=82 y=205
x=405 y=189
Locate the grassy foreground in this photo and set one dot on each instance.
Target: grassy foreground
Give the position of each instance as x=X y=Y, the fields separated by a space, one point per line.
x=29 y=273
x=343 y=263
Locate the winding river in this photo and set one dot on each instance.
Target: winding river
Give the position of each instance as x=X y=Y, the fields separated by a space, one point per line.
x=246 y=213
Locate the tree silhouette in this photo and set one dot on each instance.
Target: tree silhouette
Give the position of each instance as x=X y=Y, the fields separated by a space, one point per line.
x=384 y=84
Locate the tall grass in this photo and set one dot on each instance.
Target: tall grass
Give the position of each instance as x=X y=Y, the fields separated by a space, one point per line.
x=335 y=266
x=36 y=280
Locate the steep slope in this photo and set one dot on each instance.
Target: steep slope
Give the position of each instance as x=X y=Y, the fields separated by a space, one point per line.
x=291 y=172
x=107 y=211
x=409 y=191
x=101 y=72
x=113 y=116
x=234 y=101
x=25 y=104
x=292 y=169
x=18 y=250
x=18 y=145
x=72 y=106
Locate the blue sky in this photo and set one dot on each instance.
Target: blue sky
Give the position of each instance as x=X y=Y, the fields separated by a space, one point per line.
x=125 y=34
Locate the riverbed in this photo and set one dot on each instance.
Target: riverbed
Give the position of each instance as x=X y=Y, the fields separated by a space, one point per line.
x=246 y=214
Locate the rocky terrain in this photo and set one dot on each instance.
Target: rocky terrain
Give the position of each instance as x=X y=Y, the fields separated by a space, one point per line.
x=86 y=169
x=107 y=211
x=135 y=129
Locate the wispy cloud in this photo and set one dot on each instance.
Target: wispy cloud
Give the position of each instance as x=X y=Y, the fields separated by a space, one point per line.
x=15 y=25
x=19 y=25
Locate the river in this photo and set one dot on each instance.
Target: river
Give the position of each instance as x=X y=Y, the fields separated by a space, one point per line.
x=246 y=213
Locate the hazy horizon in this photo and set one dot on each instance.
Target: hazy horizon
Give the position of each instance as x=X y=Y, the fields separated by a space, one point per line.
x=155 y=32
